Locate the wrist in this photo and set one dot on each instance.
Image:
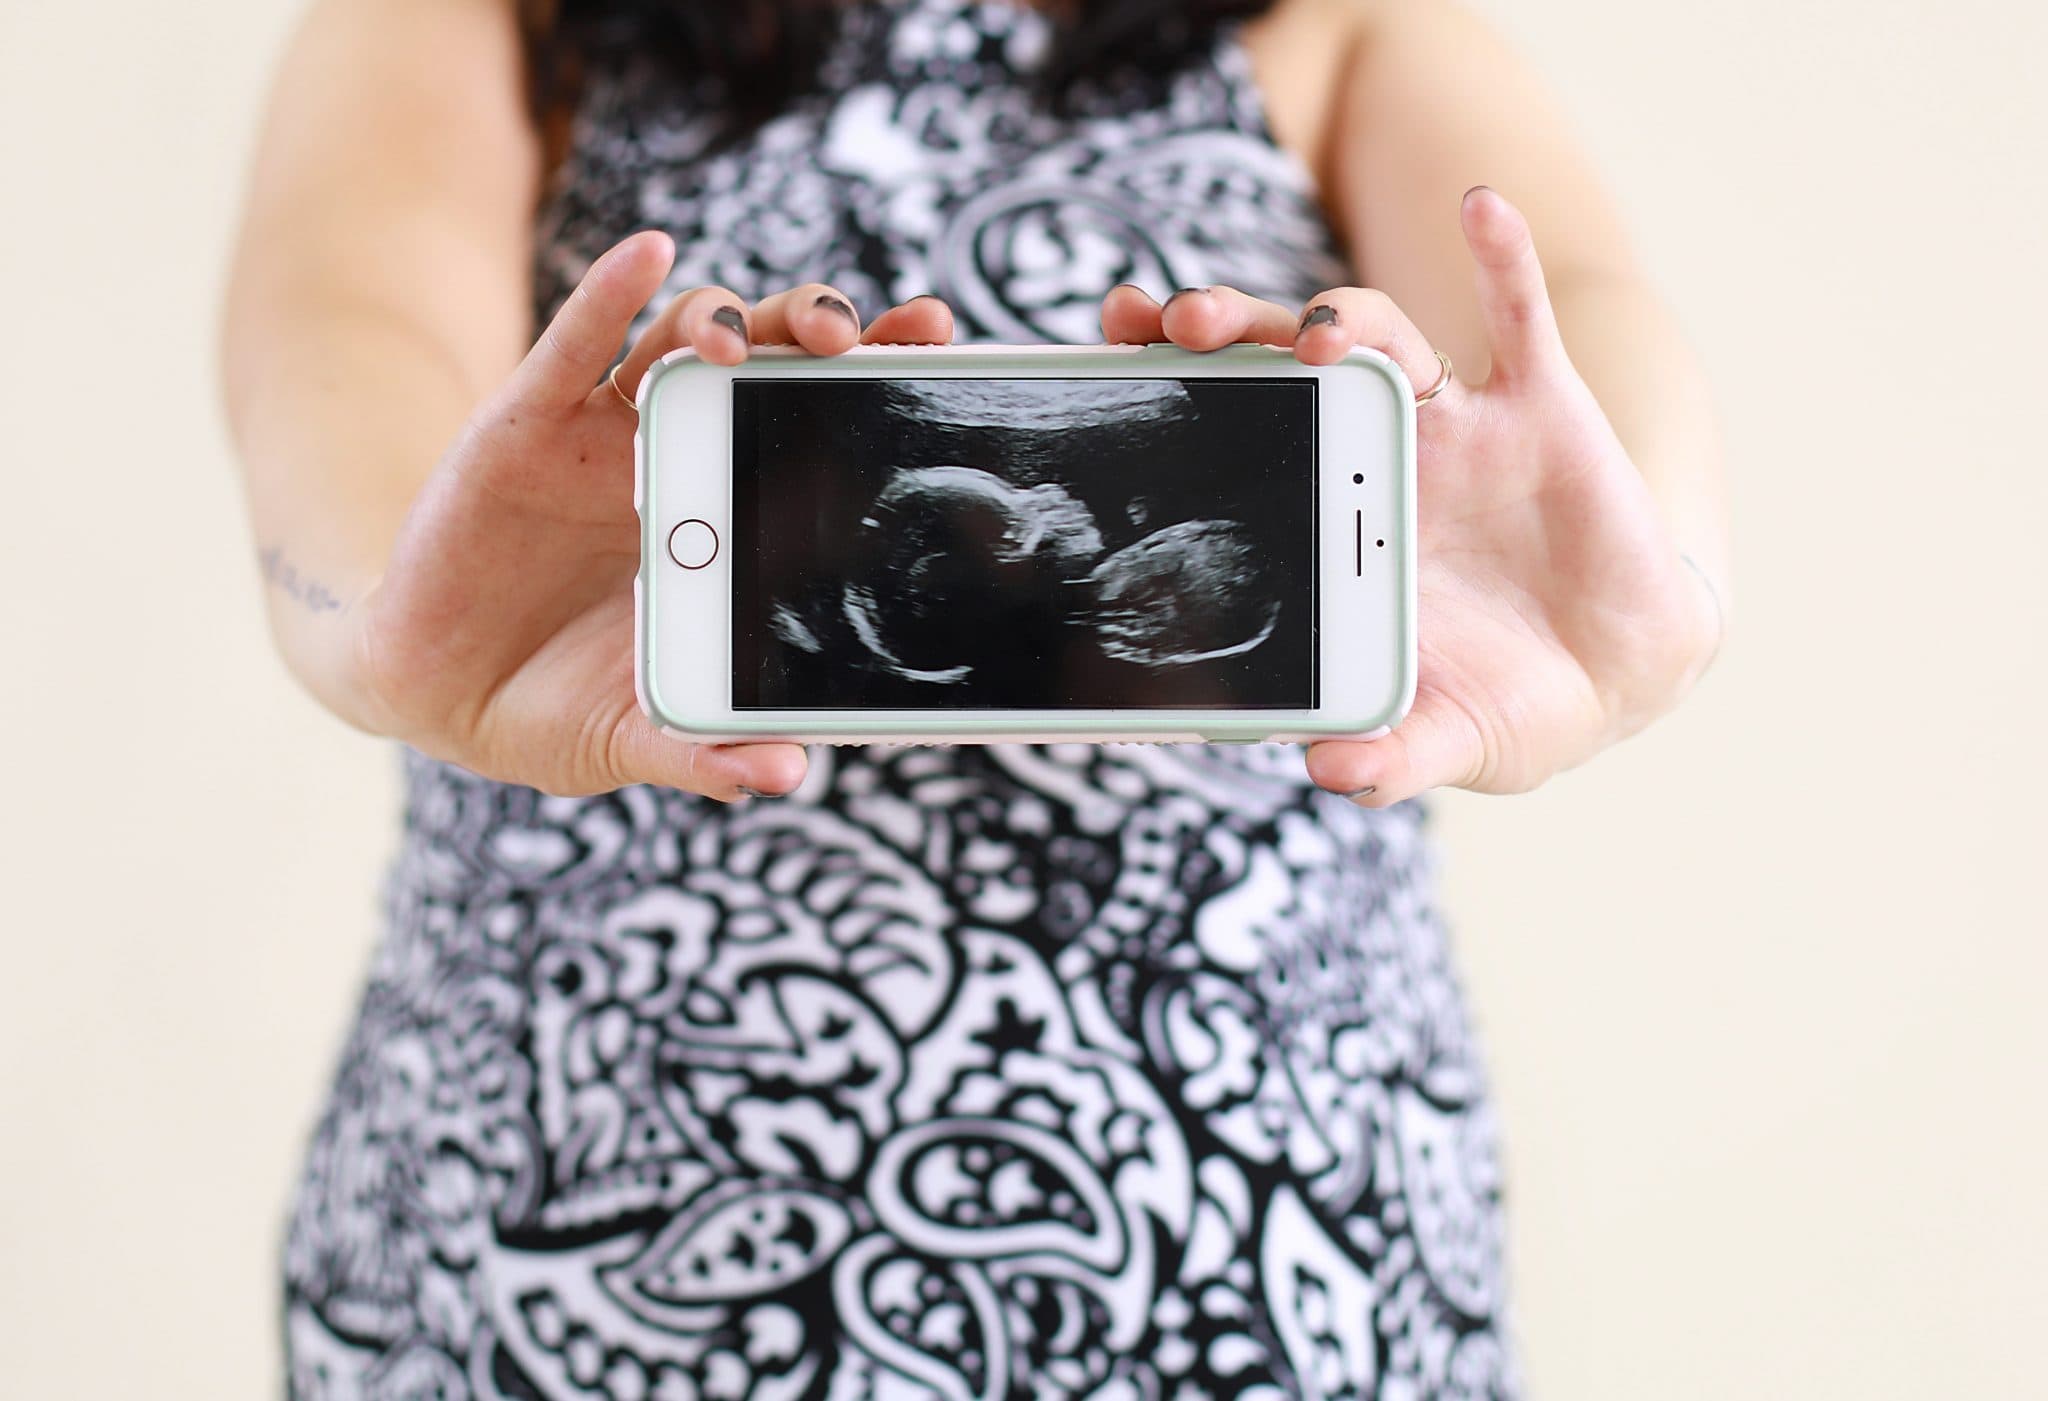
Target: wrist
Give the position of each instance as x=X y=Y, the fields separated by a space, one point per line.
x=369 y=694
x=320 y=629
x=1711 y=605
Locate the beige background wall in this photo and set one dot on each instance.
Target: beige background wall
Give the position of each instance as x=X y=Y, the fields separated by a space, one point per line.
x=1761 y=987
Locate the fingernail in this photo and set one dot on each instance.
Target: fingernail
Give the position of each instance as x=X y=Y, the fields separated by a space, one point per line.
x=730 y=318
x=746 y=792
x=926 y=297
x=1475 y=190
x=1324 y=315
x=1183 y=292
x=1365 y=792
x=832 y=303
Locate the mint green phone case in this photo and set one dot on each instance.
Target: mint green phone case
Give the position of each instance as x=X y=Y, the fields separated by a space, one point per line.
x=1038 y=726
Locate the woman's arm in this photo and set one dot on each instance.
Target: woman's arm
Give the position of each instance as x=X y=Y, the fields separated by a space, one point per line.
x=379 y=292
x=1432 y=102
x=1569 y=506
x=445 y=513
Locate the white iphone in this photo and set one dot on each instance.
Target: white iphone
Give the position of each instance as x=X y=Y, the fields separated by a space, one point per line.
x=969 y=544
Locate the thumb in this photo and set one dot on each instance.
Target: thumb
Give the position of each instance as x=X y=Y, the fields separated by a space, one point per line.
x=640 y=753
x=577 y=347
x=1436 y=746
x=1521 y=328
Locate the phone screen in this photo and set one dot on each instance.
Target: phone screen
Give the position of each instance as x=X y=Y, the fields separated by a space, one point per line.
x=1024 y=544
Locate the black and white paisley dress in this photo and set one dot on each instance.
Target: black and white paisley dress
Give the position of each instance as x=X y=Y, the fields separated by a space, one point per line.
x=1113 y=1072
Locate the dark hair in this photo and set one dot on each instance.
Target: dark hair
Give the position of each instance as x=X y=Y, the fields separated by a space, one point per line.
x=768 y=51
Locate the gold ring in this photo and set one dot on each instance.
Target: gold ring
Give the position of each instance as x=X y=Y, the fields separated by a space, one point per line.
x=612 y=378
x=1441 y=380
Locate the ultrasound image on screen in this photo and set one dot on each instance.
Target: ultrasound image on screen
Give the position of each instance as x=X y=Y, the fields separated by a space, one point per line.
x=1024 y=544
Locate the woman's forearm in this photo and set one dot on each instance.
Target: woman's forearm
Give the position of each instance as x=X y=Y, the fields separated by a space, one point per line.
x=1629 y=347
x=339 y=414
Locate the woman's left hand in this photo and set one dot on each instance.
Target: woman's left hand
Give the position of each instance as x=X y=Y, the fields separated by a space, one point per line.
x=1557 y=612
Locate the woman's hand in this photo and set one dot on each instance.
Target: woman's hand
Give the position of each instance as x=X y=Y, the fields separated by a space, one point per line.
x=500 y=635
x=1557 y=612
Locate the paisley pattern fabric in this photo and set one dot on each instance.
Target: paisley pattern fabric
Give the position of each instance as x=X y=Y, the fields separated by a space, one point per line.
x=1072 y=1071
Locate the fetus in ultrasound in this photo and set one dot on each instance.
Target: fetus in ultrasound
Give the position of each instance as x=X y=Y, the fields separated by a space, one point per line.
x=967 y=566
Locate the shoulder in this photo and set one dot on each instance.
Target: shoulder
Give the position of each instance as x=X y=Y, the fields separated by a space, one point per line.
x=1319 y=62
x=1316 y=52
x=1393 y=80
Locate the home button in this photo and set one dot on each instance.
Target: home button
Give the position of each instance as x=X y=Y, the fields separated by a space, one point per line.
x=693 y=544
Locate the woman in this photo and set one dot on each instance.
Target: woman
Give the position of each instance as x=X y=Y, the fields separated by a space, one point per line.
x=966 y=1072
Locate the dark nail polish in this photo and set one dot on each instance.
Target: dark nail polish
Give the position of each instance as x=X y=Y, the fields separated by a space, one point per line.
x=730 y=318
x=1324 y=315
x=832 y=303
x=1183 y=292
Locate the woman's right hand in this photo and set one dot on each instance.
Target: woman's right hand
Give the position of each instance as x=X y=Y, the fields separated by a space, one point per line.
x=500 y=636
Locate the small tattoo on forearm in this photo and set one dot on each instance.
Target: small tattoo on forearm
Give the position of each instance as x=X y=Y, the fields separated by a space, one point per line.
x=283 y=575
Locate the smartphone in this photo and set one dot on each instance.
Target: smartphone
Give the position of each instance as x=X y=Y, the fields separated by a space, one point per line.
x=972 y=544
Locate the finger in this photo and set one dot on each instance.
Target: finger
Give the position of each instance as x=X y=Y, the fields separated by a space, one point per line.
x=1436 y=746
x=821 y=319
x=577 y=346
x=710 y=320
x=923 y=320
x=1335 y=321
x=1130 y=317
x=1206 y=318
x=643 y=754
x=1521 y=327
